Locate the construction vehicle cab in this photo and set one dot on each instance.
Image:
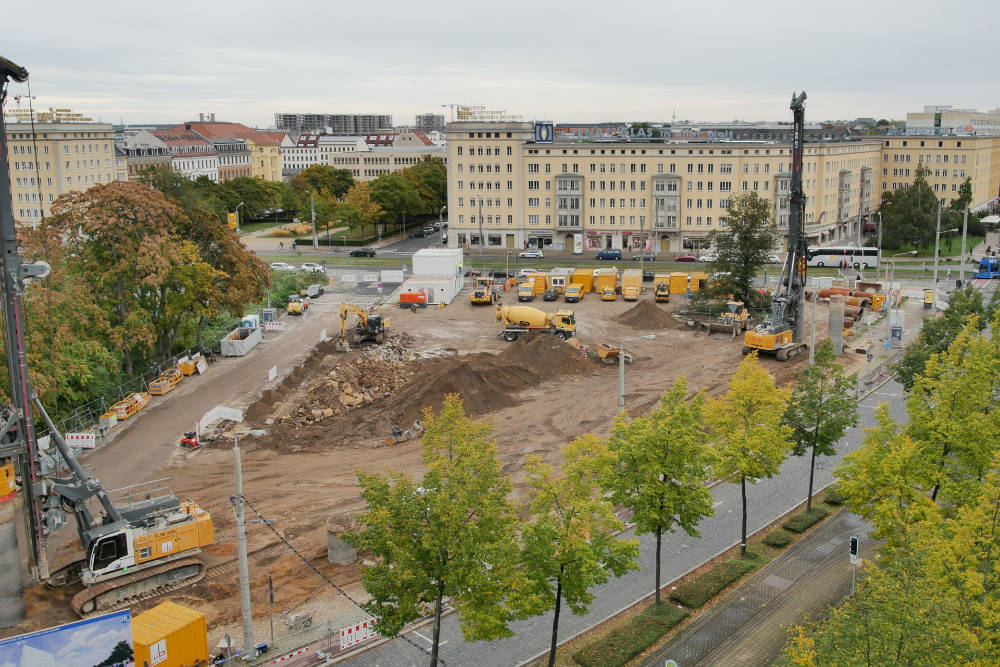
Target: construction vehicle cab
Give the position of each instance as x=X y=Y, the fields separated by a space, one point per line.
x=526 y=291
x=295 y=305
x=661 y=287
x=369 y=327
x=483 y=293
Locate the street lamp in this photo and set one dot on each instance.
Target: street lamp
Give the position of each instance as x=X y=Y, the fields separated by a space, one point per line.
x=890 y=302
x=621 y=368
x=482 y=241
x=238 y=217
x=937 y=241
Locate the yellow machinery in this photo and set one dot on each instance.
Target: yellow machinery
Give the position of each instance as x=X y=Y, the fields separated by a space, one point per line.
x=733 y=321
x=661 y=286
x=369 y=327
x=294 y=305
x=166 y=381
x=516 y=321
x=482 y=293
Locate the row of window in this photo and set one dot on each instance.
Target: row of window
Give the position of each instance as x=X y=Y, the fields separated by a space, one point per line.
x=925 y=158
x=488 y=151
x=572 y=220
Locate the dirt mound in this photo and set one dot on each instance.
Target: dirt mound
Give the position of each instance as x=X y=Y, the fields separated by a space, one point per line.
x=369 y=395
x=646 y=315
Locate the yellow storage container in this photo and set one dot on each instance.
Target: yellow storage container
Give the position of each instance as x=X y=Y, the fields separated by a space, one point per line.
x=699 y=280
x=678 y=282
x=169 y=635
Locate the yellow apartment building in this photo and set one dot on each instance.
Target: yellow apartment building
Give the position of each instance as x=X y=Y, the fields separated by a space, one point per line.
x=62 y=157
x=524 y=189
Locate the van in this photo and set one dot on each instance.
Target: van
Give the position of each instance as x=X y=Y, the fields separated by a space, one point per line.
x=610 y=254
x=574 y=293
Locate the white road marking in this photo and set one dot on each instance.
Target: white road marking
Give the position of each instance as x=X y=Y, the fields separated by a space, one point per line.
x=442 y=643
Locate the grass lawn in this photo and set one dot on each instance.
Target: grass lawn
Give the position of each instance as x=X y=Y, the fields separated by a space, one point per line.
x=251 y=227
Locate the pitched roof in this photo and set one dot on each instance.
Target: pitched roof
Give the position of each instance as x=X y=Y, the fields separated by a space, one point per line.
x=179 y=136
x=236 y=130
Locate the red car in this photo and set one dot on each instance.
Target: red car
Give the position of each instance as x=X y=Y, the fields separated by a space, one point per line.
x=685 y=257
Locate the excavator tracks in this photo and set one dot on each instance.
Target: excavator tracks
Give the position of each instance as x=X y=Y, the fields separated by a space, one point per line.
x=142 y=585
x=786 y=353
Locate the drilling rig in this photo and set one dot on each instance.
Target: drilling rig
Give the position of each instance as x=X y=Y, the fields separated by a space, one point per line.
x=144 y=541
x=782 y=334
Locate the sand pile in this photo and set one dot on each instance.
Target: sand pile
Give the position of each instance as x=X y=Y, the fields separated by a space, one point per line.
x=647 y=315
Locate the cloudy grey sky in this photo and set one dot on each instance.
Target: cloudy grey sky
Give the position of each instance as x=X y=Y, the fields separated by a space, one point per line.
x=578 y=60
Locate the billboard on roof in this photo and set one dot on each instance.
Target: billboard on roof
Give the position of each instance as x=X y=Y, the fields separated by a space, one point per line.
x=101 y=641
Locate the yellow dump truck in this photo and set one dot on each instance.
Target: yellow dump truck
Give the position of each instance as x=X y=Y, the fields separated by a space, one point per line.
x=631 y=284
x=661 y=284
x=574 y=293
x=516 y=321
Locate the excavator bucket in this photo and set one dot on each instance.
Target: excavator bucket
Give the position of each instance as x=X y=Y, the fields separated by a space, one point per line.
x=341 y=345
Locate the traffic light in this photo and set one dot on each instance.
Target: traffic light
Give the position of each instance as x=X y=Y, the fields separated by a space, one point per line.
x=854 y=546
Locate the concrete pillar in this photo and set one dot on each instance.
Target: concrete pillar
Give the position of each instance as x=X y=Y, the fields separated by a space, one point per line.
x=836 y=324
x=11 y=592
x=337 y=550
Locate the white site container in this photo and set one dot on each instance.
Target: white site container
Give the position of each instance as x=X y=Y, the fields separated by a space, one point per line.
x=440 y=289
x=438 y=262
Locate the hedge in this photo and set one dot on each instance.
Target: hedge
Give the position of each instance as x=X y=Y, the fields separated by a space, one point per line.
x=834 y=497
x=702 y=589
x=803 y=520
x=779 y=539
x=628 y=641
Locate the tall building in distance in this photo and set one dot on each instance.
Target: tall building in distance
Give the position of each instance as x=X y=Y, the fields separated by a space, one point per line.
x=61 y=157
x=341 y=123
x=429 y=122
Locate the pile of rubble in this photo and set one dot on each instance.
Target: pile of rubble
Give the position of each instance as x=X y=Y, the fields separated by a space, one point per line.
x=374 y=374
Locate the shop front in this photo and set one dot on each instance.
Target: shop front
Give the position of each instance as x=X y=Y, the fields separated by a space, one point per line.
x=540 y=240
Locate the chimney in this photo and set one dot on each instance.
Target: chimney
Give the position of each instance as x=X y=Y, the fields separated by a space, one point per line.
x=187 y=126
x=201 y=118
x=212 y=116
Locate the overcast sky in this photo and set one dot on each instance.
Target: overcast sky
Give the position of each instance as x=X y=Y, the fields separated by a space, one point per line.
x=572 y=61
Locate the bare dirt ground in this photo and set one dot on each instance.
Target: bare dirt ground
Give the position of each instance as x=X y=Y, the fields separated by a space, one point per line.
x=331 y=414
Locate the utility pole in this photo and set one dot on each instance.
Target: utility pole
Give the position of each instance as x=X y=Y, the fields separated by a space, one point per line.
x=621 y=369
x=812 y=338
x=482 y=241
x=965 y=233
x=312 y=206
x=937 y=244
x=241 y=538
x=642 y=248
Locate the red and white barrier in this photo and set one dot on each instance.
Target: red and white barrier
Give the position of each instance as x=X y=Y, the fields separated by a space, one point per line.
x=81 y=440
x=291 y=655
x=357 y=633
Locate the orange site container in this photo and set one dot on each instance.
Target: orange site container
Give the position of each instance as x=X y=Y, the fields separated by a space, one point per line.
x=169 y=635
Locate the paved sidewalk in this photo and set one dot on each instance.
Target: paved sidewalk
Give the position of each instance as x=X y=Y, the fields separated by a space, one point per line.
x=748 y=626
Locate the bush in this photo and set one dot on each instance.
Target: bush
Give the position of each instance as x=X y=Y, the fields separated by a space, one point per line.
x=834 y=497
x=628 y=641
x=779 y=539
x=702 y=589
x=803 y=520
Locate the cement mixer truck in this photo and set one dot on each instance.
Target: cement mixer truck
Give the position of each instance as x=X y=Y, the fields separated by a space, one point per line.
x=516 y=321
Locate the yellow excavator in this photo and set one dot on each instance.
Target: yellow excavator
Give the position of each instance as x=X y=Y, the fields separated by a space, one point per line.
x=144 y=542
x=369 y=327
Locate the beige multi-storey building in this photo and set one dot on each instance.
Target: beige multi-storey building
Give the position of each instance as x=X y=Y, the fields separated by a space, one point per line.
x=614 y=194
x=62 y=157
x=949 y=161
x=368 y=165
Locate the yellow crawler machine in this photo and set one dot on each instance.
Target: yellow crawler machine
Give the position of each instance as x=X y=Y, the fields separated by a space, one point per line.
x=483 y=293
x=369 y=327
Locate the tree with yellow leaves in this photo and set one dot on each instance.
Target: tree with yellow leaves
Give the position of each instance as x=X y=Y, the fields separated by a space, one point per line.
x=746 y=427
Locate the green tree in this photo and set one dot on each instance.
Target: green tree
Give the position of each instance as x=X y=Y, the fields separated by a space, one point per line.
x=747 y=429
x=660 y=465
x=452 y=534
x=359 y=209
x=938 y=334
x=324 y=180
x=396 y=194
x=909 y=214
x=747 y=237
x=570 y=541
x=821 y=409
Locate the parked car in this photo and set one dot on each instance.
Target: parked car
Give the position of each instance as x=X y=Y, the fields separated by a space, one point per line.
x=610 y=254
x=647 y=275
x=774 y=259
x=362 y=252
x=470 y=273
x=419 y=234
x=499 y=275
x=549 y=295
x=281 y=266
x=429 y=229
x=314 y=291
x=437 y=226
x=531 y=254
x=523 y=273
x=646 y=257
x=685 y=257
x=314 y=267
x=708 y=257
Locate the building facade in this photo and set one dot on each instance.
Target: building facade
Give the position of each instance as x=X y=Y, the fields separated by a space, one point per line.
x=370 y=164
x=429 y=122
x=142 y=151
x=234 y=158
x=949 y=120
x=61 y=157
x=191 y=155
x=510 y=191
x=265 y=148
x=343 y=123
x=312 y=148
x=949 y=161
